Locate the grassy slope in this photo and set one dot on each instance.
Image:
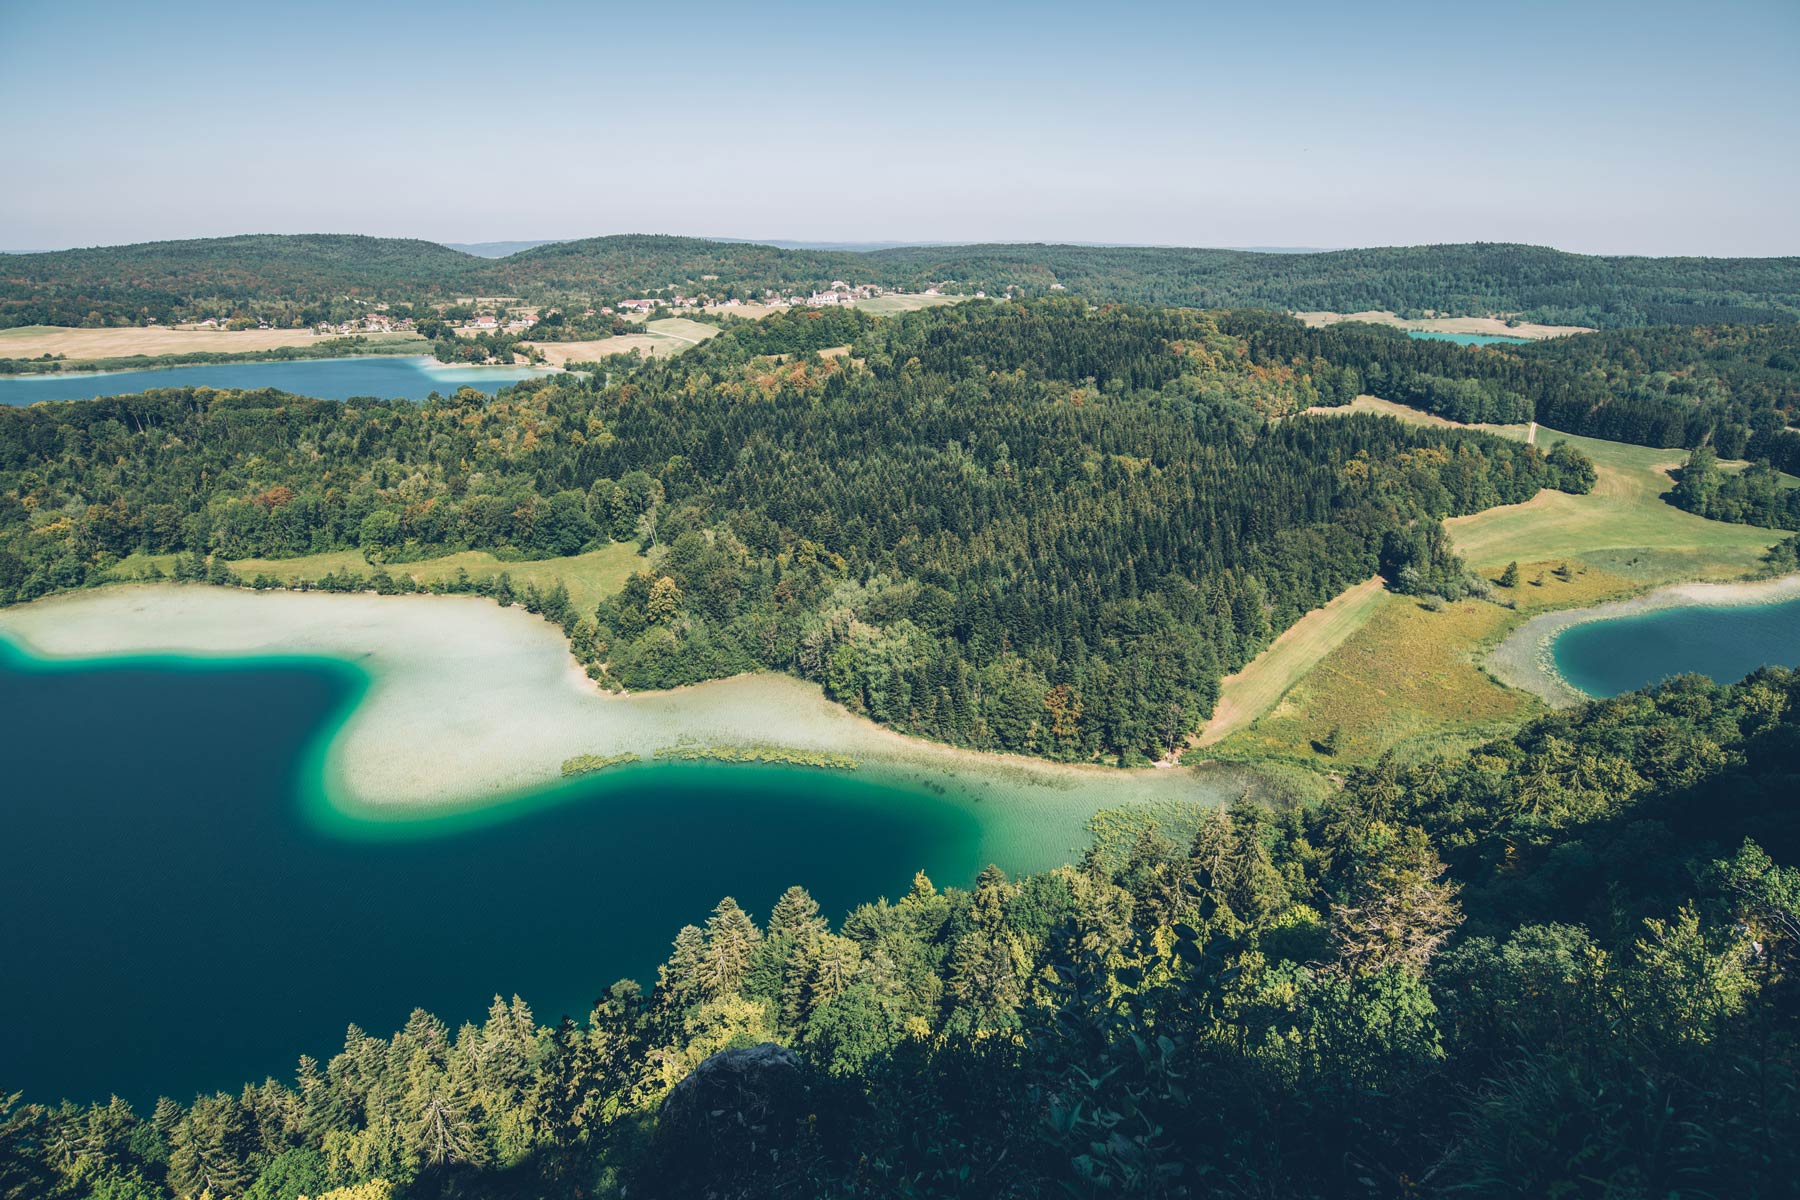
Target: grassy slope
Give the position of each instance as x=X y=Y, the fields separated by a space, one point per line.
x=659 y=339
x=1624 y=522
x=1409 y=679
x=1257 y=688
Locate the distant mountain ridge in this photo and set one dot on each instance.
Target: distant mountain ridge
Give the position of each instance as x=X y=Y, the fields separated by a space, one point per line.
x=280 y=273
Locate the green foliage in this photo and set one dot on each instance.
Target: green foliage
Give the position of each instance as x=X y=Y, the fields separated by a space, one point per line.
x=1736 y=388
x=1753 y=496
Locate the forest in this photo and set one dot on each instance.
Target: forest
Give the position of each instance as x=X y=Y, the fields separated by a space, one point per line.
x=1735 y=388
x=1563 y=965
x=300 y=279
x=1753 y=496
x=1033 y=527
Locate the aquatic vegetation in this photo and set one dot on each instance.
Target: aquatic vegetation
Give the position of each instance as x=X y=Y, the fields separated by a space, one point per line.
x=587 y=764
x=760 y=754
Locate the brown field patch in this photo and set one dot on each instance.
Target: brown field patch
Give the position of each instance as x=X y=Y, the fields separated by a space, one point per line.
x=77 y=345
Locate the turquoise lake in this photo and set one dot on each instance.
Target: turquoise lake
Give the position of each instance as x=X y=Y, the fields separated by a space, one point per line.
x=1465 y=339
x=177 y=920
x=385 y=378
x=1725 y=643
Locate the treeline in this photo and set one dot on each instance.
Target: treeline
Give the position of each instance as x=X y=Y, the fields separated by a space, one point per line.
x=1563 y=965
x=1756 y=495
x=1030 y=527
x=274 y=275
x=1734 y=388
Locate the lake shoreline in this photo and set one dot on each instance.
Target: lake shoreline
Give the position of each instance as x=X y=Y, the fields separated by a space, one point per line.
x=470 y=707
x=1525 y=658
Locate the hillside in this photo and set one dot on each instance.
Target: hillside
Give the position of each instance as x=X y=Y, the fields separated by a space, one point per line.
x=124 y=284
x=272 y=274
x=1064 y=527
x=1535 y=282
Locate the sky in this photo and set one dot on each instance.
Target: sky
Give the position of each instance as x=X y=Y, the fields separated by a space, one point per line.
x=1607 y=128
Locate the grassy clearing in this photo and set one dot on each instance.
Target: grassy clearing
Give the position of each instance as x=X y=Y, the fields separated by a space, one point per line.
x=1623 y=525
x=1489 y=325
x=589 y=577
x=660 y=339
x=885 y=306
x=1416 y=416
x=1408 y=679
x=682 y=330
x=1257 y=688
x=1623 y=519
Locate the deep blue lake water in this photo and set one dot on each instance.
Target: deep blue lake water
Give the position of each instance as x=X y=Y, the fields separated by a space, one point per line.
x=387 y=378
x=175 y=920
x=1726 y=643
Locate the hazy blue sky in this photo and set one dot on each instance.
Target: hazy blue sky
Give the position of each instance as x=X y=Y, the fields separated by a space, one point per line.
x=1640 y=127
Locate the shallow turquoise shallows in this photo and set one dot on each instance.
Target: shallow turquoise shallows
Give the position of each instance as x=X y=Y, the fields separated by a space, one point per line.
x=177 y=918
x=1725 y=643
x=406 y=378
x=1465 y=339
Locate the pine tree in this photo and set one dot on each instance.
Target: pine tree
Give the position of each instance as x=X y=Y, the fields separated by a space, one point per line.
x=731 y=943
x=678 y=980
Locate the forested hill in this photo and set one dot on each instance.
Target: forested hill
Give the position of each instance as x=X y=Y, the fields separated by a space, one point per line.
x=268 y=275
x=124 y=284
x=1035 y=527
x=1476 y=279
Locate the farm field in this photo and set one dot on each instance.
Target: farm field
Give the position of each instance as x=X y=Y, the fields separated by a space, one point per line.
x=884 y=306
x=589 y=577
x=660 y=339
x=80 y=345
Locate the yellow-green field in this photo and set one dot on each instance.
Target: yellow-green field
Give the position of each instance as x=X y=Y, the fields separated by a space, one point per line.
x=658 y=340
x=1407 y=678
x=1257 y=688
x=589 y=577
x=884 y=306
x=1623 y=524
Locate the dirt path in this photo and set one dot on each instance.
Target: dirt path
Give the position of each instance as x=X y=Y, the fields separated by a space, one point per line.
x=1259 y=687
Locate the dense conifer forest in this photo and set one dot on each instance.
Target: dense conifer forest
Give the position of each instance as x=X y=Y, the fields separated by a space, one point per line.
x=295 y=279
x=1563 y=965
x=1735 y=388
x=1031 y=527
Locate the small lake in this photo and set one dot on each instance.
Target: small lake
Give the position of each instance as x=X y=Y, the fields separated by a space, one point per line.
x=386 y=378
x=1724 y=642
x=1465 y=339
x=175 y=919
